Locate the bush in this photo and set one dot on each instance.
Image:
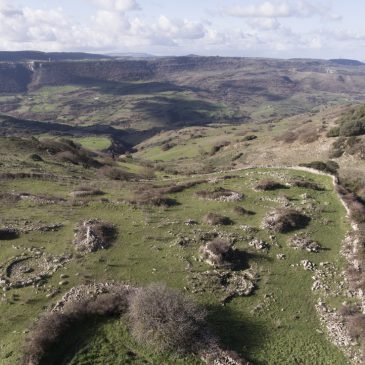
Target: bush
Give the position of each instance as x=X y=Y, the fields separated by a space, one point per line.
x=351 y=124
x=309 y=136
x=250 y=137
x=330 y=167
x=114 y=173
x=284 y=220
x=50 y=328
x=218 y=252
x=218 y=146
x=35 y=157
x=287 y=137
x=8 y=234
x=217 y=219
x=266 y=185
x=68 y=151
x=165 y=320
x=242 y=211
x=301 y=183
x=333 y=132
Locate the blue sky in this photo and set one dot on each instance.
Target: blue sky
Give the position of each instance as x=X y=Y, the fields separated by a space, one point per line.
x=254 y=28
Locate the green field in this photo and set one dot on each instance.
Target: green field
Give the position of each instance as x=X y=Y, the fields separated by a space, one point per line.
x=278 y=324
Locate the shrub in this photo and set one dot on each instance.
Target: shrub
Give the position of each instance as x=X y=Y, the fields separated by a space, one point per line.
x=68 y=151
x=284 y=220
x=165 y=320
x=329 y=166
x=250 y=137
x=8 y=234
x=153 y=197
x=309 y=136
x=67 y=156
x=352 y=128
x=35 y=157
x=242 y=211
x=333 y=132
x=114 y=173
x=216 y=219
x=301 y=183
x=86 y=191
x=266 y=185
x=50 y=328
x=218 y=146
x=287 y=137
x=352 y=123
x=217 y=252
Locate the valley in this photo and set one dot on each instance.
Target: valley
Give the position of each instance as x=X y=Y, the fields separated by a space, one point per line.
x=236 y=181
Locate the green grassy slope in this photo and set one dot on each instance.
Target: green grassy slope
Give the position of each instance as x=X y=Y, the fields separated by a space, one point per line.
x=277 y=324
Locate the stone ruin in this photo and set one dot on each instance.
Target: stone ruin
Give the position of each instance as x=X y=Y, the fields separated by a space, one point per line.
x=220 y=194
x=228 y=283
x=303 y=242
x=30 y=268
x=284 y=220
x=259 y=244
x=217 y=253
x=93 y=235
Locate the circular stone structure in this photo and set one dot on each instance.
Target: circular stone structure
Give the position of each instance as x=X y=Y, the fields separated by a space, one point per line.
x=26 y=270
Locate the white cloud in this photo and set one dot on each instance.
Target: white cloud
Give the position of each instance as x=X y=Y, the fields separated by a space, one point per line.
x=113 y=28
x=264 y=23
x=179 y=29
x=118 y=5
x=283 y=9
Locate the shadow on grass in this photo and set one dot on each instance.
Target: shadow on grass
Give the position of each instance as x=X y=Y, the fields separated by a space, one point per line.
x=76 y=337
x=237 y=333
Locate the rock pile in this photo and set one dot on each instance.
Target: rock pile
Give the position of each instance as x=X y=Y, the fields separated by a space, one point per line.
x=92 y=235
x=308 y=265
x=259 y=244
x=284 y=220
x=304 y=243
x=338 y=332
x=217 y=253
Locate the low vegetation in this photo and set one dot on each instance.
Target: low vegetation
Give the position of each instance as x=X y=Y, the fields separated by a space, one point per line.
x=51 y=327
x=330 y=167
x=165 y=320
x=284 y=220
x=351 y=124
x=267 y=185
x=215 y=219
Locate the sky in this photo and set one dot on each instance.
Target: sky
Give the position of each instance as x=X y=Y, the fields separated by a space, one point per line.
x=245 y=28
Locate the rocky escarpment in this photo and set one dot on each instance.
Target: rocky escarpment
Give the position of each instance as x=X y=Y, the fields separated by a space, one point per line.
x=19 y=74
x=14 y=78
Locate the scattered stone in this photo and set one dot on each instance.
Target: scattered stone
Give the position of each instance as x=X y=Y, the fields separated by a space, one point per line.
x=281 y=256
x=220 y=194
x=259 y=244
x=305 y=243
x=190 y=222
x=308 y=265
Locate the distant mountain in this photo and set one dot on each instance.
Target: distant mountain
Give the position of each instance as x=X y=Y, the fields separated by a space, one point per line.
x=130 y=55
x=23 y=56
x=346 y=62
